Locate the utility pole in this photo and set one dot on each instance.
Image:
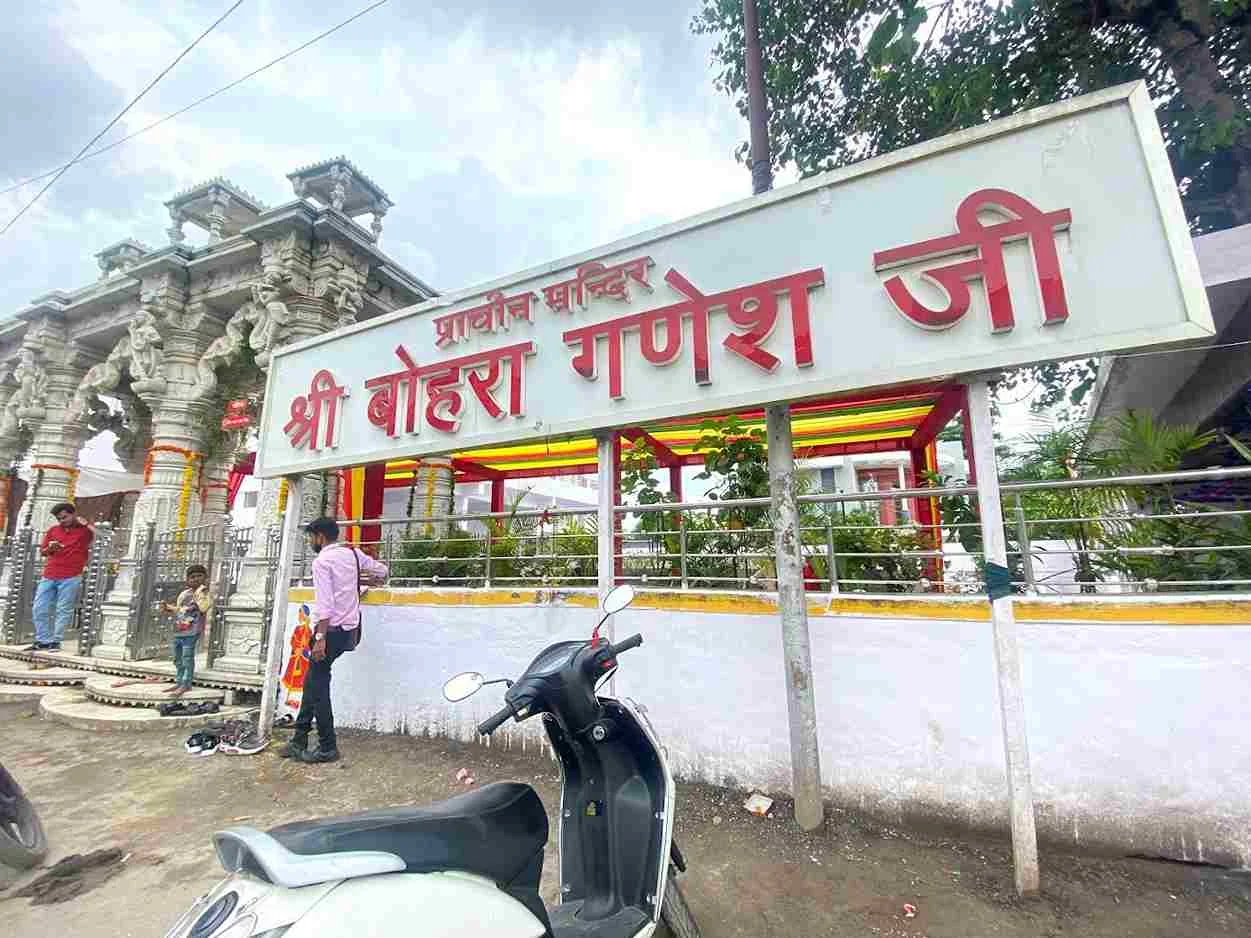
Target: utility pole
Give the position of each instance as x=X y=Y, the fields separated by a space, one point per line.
x=1007 y=650
x=759 y=158
x=801 y=707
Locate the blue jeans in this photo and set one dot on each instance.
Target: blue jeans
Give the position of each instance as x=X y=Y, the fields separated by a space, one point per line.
x=184 y=658
x=55 y=601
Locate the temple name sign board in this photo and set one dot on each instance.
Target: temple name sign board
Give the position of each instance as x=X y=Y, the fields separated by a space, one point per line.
x=1053 y=234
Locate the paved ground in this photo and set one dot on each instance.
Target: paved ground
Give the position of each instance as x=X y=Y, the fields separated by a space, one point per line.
x=749 y=876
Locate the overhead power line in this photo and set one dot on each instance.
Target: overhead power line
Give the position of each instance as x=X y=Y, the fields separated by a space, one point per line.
x=58 y=173
x=196 y=103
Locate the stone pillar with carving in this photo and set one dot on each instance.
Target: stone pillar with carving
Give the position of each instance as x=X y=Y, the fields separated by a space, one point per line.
x=287 y=307
x=433 y=501
x=47 y=376
x=165 y=346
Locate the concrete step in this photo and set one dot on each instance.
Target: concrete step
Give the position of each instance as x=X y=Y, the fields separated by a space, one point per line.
x=26 y=694
x=74 y=708
x=39 y=673
x=159 y=667
x=136 y=694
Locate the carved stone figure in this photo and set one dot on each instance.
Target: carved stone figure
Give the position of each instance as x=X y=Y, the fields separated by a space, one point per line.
x=100 y=379
x=349 y=300
x=32 y=382
x=269 y=314
x=266 y=316
x=146 y=352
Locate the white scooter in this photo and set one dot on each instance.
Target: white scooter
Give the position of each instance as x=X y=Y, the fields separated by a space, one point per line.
x=471 y=865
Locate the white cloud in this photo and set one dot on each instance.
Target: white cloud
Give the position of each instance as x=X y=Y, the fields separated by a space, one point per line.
x=609 y=127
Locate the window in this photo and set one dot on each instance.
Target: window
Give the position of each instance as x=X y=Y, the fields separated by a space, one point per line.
x=249 y=499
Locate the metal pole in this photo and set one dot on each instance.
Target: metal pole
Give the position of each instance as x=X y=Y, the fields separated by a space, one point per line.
x=1007 y=652
x=606 y=534
x=1027 y=555
x=278 y=617
x=757 y=109
x=682 y=548
x=831 y=554
x=801 y=704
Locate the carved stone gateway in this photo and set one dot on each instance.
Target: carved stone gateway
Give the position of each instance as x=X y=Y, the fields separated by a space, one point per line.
x=140 y=353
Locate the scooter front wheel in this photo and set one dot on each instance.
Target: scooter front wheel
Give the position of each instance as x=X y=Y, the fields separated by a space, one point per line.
x=22 y=840
x=675 y=914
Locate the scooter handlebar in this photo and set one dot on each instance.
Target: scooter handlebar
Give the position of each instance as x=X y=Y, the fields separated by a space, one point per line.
x=493 y=723
x=634 y=641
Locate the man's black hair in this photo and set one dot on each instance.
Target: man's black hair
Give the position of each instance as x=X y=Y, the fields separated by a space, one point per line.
x=63 y=506
x=197 y=568
x=326 y=527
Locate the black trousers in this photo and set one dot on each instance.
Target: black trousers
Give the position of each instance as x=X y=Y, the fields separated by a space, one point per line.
x=315 y=699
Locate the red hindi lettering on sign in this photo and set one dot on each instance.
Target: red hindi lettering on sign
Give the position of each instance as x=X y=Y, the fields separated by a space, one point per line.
x=442 y=383
x=236 y=422
x=497 y=313
x=597 y=280
x=306 y=413
x=1030 y=224
x=753 y=307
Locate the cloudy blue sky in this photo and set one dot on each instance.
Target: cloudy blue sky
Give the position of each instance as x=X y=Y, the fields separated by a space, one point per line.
x=508 y=133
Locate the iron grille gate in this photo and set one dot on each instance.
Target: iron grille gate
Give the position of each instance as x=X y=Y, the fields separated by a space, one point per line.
x=162 y=564
x=98 y=580
x=236 y=543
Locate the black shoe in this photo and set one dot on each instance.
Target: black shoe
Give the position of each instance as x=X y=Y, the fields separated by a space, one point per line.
x=293 y=750
x=52 y=646
x=314 y=756
x=35 y=646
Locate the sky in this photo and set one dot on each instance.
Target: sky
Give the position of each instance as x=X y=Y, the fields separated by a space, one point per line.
x=507 y=133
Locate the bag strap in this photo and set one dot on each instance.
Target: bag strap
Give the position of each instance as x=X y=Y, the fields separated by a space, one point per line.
x=360 y=613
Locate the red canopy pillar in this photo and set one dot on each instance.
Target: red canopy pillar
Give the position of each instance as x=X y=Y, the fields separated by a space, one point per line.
x=927 y=512
x=497 y=495
x=675 y=482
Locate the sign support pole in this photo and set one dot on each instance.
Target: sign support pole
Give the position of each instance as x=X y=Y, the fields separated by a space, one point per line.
x=801 y=705
x=278 y=618
x=1007 y=650
x=606 y=529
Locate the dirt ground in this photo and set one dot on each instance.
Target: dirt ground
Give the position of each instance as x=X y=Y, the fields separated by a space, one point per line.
x=142 y=795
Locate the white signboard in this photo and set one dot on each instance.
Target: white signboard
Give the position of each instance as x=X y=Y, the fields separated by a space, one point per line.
x=1054 y=234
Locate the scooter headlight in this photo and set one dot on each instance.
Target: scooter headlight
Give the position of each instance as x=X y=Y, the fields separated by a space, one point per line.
x=214 y=916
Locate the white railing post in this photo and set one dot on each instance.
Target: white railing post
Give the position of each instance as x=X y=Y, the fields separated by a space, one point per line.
x=278 y=616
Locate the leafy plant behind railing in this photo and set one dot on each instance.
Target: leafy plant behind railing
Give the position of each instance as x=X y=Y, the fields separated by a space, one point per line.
x=732 y=547
x=1114 y=531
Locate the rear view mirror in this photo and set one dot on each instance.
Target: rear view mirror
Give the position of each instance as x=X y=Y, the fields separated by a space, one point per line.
x=618 y=598
x=463 y=685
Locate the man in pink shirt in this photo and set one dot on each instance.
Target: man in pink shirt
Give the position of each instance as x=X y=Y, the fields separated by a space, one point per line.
x=338 y=572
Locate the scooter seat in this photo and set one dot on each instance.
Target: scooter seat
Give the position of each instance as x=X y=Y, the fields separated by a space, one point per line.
x=497 y=831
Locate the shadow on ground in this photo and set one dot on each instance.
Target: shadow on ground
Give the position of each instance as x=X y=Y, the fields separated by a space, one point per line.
x=143 y=796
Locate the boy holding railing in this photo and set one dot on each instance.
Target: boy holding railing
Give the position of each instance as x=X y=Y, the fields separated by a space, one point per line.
x=190 y=612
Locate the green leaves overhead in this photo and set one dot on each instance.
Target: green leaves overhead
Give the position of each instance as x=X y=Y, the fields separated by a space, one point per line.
x=849 y=79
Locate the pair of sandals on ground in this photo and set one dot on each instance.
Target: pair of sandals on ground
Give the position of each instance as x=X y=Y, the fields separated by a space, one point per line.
x=233 y=738
x=43 y=646
x=176 y=708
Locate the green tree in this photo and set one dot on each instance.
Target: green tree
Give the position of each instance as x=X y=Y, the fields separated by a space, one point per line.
x=849 y=79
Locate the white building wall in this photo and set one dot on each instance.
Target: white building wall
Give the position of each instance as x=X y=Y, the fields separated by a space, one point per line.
x=1137 y=732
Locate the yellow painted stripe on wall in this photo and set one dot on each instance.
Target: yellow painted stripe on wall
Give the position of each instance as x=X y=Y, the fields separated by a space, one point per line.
x=1112 y=611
